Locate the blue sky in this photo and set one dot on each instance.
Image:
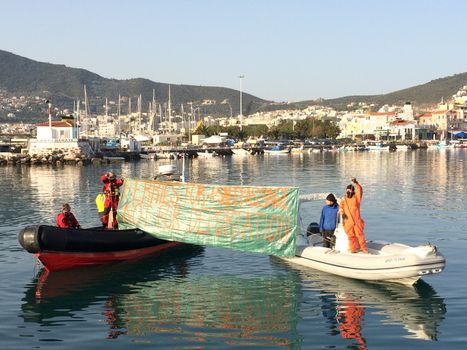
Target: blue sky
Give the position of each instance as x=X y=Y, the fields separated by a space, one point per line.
x=287 y=50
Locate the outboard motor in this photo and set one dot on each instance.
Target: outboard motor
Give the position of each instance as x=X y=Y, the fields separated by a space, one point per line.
x=313 y=228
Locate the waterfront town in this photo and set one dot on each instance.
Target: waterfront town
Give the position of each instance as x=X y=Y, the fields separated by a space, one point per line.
x=161 y=131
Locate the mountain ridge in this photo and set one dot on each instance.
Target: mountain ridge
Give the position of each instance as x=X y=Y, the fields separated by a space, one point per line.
x=23 y=76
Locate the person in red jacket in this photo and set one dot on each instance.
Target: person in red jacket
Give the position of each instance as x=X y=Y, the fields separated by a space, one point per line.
x=112 y=196
x=66 y=219
x=353 y=222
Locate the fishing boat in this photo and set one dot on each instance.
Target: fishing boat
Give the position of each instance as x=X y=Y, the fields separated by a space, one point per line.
x=60 y=249
x=392 y=262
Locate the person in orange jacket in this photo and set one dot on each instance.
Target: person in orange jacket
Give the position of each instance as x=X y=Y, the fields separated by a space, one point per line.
x=353 y=223
x=66 y=219
x=112 y=196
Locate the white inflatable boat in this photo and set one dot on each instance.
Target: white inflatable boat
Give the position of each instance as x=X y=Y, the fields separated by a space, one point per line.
x=393 y=262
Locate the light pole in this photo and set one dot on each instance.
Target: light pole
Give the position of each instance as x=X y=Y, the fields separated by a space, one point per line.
x=241 y=107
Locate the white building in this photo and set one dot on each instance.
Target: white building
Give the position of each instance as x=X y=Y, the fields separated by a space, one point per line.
x=58 y=136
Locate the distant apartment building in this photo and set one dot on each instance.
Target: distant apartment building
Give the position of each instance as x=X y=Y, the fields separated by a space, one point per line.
x=370 y=125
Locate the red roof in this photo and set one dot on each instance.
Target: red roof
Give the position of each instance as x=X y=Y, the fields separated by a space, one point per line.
x=382 y=113
x=57 y=124
x=399 y=122
x=440 y=112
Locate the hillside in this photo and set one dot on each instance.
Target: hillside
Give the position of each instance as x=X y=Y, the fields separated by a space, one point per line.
x=421 y=96
x=23 y=76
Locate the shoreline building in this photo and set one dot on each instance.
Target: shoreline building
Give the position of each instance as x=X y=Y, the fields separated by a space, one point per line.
x=62 y=136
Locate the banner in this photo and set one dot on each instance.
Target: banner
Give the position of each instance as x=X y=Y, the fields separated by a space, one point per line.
x=249 y=218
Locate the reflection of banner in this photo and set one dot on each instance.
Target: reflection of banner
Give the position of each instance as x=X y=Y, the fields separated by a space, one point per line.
x=198 y=305
x=256 y=219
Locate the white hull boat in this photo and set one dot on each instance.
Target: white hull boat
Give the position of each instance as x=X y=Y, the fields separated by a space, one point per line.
x=112 y=159
x=207 y=154
x=240 y=152
x=282 y=151
x=148 y=156
x=378 y=148
x=392 y=262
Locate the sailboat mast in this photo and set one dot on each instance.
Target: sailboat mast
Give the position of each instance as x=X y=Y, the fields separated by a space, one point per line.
x=183 y=115
x=151 y=118
x=139 y=114
x=153 y=109
x=170 y=111
x=160 y=114
x=129 y=114
x=118 y=116
x=85 y=123
x=78 y=123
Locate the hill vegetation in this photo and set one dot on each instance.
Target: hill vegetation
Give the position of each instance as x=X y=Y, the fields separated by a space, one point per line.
x=23 y=76
x=421 y=96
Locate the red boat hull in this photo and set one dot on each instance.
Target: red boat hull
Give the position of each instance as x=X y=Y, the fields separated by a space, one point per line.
x=55 y=261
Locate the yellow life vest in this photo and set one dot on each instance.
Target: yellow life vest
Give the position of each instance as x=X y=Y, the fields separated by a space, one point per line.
x=100 y=199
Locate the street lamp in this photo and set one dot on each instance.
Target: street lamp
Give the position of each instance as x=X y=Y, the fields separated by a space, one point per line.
x=241 y=107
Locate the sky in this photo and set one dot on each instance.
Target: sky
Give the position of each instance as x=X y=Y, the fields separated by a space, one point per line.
x=290 y=50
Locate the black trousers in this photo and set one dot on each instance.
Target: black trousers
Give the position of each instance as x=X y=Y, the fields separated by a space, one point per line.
x=329 y=240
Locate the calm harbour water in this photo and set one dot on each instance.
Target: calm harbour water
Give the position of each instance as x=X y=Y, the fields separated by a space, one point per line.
x=216 y=298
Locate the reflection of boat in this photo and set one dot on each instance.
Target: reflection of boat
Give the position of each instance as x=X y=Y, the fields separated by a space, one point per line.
x=417 y=308
x=51 y=291
x=386 y=261
x=170 y=296
x=60 y=249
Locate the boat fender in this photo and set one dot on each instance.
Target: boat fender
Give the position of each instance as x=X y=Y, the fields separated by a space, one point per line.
x=29 y=239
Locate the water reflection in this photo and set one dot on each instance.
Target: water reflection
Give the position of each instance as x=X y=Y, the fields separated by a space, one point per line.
x=179 y=299
x=167 y=301
x=349 y=305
